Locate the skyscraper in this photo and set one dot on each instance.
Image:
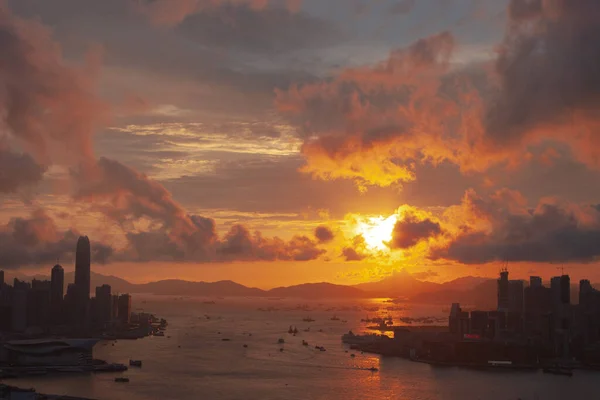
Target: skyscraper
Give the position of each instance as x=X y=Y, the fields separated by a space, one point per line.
x=57 y=285
x=503 y=295
x=104 y=303
x=82 y=267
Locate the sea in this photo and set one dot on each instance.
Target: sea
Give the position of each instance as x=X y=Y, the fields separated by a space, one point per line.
x=192 y=361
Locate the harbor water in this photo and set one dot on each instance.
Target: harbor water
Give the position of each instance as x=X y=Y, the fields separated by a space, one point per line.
x=192 y=360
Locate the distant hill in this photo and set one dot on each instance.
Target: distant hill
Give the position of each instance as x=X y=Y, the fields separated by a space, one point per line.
x=469 y=290
x=400 y=284
x=481 y=296
x=318 y=291
x=186 y=288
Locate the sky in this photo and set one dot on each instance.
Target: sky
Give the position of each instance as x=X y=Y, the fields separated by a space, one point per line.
x=276 y=142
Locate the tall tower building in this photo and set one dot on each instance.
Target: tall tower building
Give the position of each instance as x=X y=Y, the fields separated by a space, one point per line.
x=503 y=291
x=82 y=267
x=57 y=285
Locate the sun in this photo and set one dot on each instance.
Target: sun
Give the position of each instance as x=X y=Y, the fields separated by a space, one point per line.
x=376 y=231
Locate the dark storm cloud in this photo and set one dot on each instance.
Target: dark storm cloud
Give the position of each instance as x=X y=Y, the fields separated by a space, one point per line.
x=36 y=240
x=240 y=244
x=271 y=30
x=17 y=170
x=548 y=72
x=410 y=230
x=324 y=234
x=549 y=233
x=46 y=103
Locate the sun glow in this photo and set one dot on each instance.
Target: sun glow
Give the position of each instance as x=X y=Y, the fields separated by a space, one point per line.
x=377 y=231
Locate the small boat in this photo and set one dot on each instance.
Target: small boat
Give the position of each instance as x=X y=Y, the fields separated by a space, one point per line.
x=335 y=318
x=159 y=333
x=308 y=319
x=322 y=348
x=558 y=371
x=352 y=355
x=121 y=379
x=281 y=350
x=290 y=331
x=373 y=369
x=135 y=363
x=281 y=341
x=245 y=346
x=304 y=343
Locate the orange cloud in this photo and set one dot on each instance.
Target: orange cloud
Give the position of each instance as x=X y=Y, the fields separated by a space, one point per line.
x=373 y=124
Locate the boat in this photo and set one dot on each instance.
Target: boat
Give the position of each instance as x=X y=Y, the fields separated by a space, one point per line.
x=304 y=343
x=159 y=333
x=352 y=339
x=121 y=379
x=135 y=363
x=70 y=369
x=308 y=319
x=352 y=355
x=557 y=370
x=322 y=348
x=373 y=369
x=290 y=331
x=335 y=318
x=281 y=341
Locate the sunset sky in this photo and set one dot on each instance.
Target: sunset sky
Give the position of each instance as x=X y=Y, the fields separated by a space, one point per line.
x=275 y=142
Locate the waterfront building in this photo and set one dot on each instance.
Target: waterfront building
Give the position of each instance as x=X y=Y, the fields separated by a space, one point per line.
x=38 y=303
x=1 y=277
x=82 y=267
x=515 y=296
x=459 y=321
x=503 y=291
x=103 y=304
x=57 y=285
x=125 y=308
x=19 y=309
x=48 y=352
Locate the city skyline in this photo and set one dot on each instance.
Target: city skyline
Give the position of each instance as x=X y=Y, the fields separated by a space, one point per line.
x=281 y=142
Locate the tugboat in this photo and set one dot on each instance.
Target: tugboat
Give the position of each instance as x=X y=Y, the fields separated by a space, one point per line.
x=558 y=370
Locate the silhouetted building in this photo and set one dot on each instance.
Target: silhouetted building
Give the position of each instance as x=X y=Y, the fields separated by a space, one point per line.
x=555 y=290
x=115 y=307
x=565 y=289
x=515 y=296
x=82 y=267
x=589 y=312
x=459 y=321
x=38 y=304
x=19 y=308
x=57 y=285
x=1 y=277
x=535 y=282
x=125 y=308
x=479 y=323
x=503 y=291
x=103 y=304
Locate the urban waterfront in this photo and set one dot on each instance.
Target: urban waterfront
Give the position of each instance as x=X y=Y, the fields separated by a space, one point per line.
x=207 y=366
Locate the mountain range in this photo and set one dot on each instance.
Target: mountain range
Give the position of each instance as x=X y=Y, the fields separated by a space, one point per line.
x=469 y=290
